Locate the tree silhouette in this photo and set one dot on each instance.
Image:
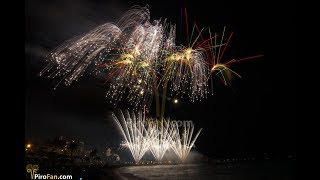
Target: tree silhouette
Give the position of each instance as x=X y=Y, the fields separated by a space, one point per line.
x=73 y=145
x=93 y=153
x=58 y=143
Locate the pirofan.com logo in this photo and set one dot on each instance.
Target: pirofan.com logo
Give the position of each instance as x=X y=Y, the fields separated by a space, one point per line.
x=33 y=169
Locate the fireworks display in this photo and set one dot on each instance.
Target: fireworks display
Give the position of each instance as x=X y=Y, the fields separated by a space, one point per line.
x=138 y=56
x=139 y=59
x=158 y=136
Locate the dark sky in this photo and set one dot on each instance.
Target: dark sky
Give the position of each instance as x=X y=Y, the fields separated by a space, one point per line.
x=256 y=114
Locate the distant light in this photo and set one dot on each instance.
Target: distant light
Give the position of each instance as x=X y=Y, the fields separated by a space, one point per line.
x=28 y=145
x=175 y=101
x=139 y=81
x=141 y=92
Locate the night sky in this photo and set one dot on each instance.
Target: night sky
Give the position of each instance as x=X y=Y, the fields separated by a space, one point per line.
x=256 y=114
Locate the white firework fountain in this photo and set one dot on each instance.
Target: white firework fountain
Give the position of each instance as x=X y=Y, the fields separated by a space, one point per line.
x=158 y=136
x=182 y=144
x=160 y=139
x=134 y=132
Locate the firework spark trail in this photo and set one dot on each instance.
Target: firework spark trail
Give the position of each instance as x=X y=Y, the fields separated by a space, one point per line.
x=71 y=59
x=185 y=69
x=140 y=45
x=223 y=70
x=129 y=52
x=138 y=56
